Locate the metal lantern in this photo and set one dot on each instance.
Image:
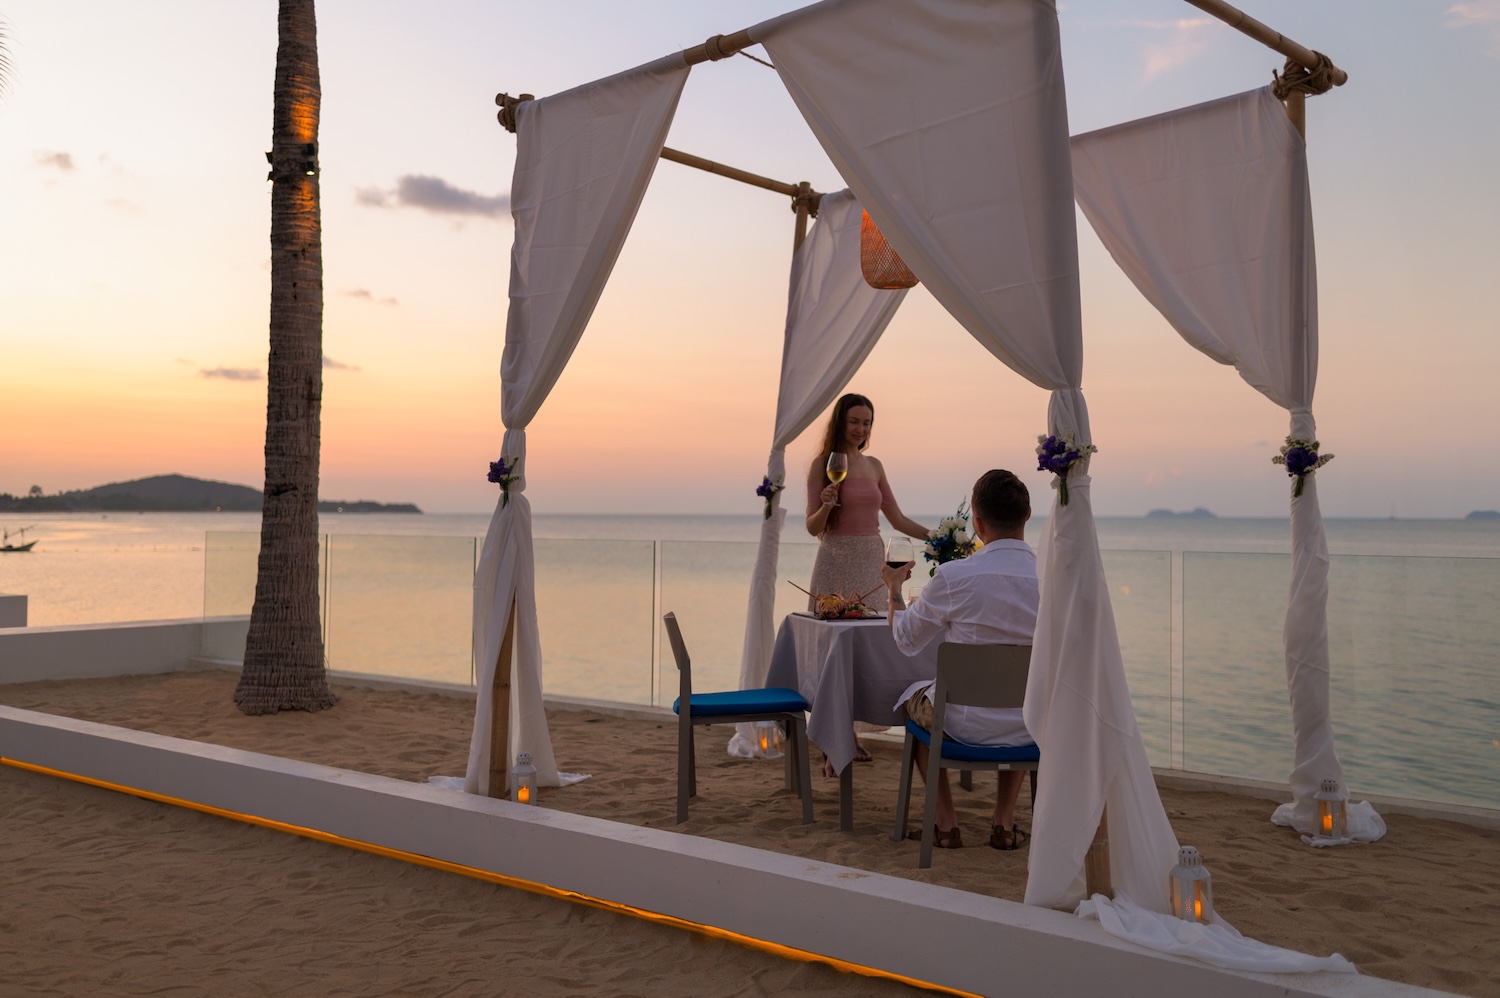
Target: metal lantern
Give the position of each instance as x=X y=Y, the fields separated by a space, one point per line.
x=1333 y=812
x=878 y=262
x=768 y=739
x=1192 y=888
x=523 y=780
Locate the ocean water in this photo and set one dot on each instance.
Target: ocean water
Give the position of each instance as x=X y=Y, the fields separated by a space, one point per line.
x=1199 y=605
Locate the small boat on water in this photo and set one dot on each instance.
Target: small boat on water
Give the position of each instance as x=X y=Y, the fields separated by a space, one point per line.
x=6 y=547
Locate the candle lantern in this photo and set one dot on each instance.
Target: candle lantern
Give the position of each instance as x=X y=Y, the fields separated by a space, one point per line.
x=768 y=738
x=878 y=262
x=523 y=780
x=1333 y=812
x=1192 y=888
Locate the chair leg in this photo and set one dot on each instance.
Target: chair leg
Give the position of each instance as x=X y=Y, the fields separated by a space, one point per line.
x=846 y=798
x=1033 y=790
x=788 y=755
x=966 y=780
x=692 y=763
x=798 y=748
x=903 y=791
x=684 y=764
x=929 y=805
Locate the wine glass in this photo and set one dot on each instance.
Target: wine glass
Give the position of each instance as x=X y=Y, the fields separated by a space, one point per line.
x=899 y=553
x=838 y=468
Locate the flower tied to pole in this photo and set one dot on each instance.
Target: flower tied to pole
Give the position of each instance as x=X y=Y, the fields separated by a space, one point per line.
x=768 y=490
x=504 y=475
x=1301 y=458
x=1058 y=454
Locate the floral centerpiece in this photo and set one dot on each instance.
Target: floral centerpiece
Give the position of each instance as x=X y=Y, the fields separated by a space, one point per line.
x=950 y=539
x=1058 y=454
x=1301 y=458
x=504 y=475
x=768 y=490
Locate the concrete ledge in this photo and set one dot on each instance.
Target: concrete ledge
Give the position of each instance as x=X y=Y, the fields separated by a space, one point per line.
x=92 y=651
x=12 y=610
x=952 y=938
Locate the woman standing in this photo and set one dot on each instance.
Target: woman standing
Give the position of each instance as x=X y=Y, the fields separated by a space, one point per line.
x=845 y=516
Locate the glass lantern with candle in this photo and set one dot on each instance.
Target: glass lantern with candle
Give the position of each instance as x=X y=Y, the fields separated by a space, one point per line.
x=768 y=739
x=1192 y=888
x=1333 y=812
x=523 y=780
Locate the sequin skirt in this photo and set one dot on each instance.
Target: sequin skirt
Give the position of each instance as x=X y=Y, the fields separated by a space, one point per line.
x=850 y=564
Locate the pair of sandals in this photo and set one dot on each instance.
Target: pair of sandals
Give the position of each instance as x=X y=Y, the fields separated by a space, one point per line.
x=1004 y=839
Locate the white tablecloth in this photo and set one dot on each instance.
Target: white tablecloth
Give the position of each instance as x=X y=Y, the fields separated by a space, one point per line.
x=849 y=670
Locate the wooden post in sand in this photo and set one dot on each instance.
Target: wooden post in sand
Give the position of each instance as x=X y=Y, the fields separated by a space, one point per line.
x=500 y=711
x=1096 y=875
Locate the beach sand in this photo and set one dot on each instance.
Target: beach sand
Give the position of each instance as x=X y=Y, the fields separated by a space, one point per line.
x=91 y=870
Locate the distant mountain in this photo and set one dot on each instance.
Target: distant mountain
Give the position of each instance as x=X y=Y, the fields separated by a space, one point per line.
x=1484 y=514
x=1193 y=514
x=176 y=494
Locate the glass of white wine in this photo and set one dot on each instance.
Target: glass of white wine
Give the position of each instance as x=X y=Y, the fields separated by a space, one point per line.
x=838 y=468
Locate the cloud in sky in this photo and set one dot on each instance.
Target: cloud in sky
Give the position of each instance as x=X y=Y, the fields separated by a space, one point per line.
x=368 y=295
x=329 y=364
x=1483 y=15
x=231 y=373
x=1186 y=39
x=434 y=195
x=55 y=160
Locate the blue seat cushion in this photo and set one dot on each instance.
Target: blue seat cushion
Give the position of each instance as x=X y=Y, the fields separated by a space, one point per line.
x=773 y=700
x=960 y=752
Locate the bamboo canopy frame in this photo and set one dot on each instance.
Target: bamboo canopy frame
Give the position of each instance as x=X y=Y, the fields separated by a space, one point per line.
x=1306 y=72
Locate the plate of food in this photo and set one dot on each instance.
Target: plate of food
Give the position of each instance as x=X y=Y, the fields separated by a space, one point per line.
x=837 y=606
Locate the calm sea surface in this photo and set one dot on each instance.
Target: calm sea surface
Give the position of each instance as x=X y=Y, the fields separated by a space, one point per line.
x=1414 y=618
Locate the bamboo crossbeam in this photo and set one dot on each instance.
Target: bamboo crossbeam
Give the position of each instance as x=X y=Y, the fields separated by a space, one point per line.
x=1269 y=37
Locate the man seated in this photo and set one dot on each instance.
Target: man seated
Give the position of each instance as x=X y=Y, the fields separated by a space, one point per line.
x=988 y=598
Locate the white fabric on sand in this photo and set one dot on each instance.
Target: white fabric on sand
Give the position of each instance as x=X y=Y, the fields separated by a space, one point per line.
x=833 y=321
x=1218 y=944
x=948 y=119
x=1208 y=211
x=583 y=160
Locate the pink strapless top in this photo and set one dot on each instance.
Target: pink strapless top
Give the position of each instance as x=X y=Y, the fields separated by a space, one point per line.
x=860 y=500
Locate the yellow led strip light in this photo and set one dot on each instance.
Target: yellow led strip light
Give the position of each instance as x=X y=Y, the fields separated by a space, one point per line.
x=775 y=949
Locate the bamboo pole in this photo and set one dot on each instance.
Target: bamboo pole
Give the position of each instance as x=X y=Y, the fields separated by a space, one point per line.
x=1272 y=39
x=1296 y=109
x=733 y=173
x=803 y=202
x=500 y=711
x=1096 y=872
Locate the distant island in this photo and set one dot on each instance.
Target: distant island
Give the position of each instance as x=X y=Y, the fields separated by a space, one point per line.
x=1484 y=514
x=174 y=494
x=1193 y=514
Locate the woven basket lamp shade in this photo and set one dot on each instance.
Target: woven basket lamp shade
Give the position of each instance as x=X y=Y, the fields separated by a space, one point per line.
x=878 y=262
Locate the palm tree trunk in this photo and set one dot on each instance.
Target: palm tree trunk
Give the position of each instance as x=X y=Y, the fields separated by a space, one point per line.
x=284 y=652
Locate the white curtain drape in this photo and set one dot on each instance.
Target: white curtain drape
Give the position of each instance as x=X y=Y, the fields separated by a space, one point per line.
x=583 y=160
x=834 y=320
x=948 y=120
x=1208 y=211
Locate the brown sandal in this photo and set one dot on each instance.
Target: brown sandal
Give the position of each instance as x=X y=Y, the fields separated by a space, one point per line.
x=1008 y=839
x=951 y=839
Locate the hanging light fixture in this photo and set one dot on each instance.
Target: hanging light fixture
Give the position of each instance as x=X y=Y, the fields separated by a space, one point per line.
x=1192 y=888
x=523 y=780
x=878 y=262
x=1333 y=812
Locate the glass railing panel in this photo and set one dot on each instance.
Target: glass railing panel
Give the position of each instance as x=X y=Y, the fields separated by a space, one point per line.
x=400 y=606
x=595 y=606
x=1236 y=721
x=229 y=568
x=1140 y=592
x=707 y=584
x=1413 y=646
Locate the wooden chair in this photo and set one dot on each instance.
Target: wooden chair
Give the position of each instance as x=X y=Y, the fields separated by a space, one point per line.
x=975 y=676
x=771 y=704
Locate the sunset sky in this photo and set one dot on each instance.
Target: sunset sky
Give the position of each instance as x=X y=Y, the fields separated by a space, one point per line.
x=135 y=272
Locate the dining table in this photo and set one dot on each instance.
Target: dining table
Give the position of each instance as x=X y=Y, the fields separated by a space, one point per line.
x=847 y=670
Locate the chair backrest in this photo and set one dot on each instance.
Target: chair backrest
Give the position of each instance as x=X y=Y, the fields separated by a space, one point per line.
x=680 y=656
x=982 y=675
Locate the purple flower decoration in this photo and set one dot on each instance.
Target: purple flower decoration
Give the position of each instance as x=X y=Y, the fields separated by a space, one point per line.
x=504 y=475
x=1058 y=455
x=767 y=490
x=1301 y=458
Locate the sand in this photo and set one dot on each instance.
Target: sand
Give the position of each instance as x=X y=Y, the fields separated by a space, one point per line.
x=88 y=870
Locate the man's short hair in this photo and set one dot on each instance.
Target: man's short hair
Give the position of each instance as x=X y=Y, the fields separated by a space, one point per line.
x=1001 y=500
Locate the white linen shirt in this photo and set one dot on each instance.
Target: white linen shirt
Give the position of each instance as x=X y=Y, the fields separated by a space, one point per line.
x=989 y=597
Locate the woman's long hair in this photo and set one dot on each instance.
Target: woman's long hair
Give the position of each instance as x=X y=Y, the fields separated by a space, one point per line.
x=835 y=440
